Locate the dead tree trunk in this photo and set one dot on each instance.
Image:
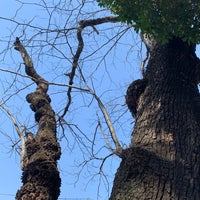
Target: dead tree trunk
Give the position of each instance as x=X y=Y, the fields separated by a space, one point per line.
x=40 y=176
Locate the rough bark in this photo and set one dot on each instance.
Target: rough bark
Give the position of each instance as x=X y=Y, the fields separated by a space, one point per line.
x=40 y=176
x=163 y=161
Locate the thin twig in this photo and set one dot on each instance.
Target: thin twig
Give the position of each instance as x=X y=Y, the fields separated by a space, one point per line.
x=106 y=117
x=104 y=135
x=50 y=83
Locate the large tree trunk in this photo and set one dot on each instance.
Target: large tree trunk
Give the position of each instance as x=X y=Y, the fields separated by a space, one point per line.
x=163 y=161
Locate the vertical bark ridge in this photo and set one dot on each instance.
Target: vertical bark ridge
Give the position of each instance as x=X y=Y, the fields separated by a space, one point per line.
x=164 y=157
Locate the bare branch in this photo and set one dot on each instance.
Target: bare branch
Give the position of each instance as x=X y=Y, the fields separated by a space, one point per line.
x=20 y=134
x=29 y=67
x=83 y=24
x=49 y=83
x=109 y=123
x=74 y=66
x=94 y=22
x=106 y=117
x=104 y=135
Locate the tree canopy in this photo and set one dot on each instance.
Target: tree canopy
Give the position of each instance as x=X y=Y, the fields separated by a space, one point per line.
x=163 y=19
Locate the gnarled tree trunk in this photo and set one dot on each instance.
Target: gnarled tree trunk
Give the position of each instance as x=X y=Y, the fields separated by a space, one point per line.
x=163 y=161
x=40 y=177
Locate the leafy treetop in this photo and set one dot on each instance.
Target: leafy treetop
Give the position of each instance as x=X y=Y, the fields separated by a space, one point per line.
x=162 y=18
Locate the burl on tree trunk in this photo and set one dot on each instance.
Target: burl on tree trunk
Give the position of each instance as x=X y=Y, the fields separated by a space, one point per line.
x=163 y=161
x=40 y=176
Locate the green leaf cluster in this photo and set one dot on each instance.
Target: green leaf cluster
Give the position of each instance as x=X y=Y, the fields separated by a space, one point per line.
x=162 y=18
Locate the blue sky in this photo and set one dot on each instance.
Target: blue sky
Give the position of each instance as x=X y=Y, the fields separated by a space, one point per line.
x=110 y=77
x=111 y=74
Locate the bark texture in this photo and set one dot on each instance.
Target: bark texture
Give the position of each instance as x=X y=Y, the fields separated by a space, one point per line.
x=163 y=161
x=40 y=178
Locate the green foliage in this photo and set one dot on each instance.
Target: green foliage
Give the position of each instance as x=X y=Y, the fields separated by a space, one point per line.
x=162 y=18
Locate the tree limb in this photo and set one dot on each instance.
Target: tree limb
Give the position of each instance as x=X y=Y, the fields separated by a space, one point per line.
x=82 y=24
x=113 y=134
x=42 y=149
x=29 y=67
x=20 y=134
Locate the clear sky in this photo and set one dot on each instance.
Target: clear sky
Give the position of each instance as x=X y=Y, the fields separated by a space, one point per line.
x=111 y=76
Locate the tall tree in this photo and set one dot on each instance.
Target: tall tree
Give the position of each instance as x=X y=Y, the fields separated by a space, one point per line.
x=163 y=159
x=71 y=42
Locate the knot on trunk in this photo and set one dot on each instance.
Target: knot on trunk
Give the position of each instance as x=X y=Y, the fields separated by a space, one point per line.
x=135 y=89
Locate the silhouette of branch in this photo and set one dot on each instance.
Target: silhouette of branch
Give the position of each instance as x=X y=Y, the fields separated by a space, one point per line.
x=20 y=134
x=82 y=24
x=109 y=123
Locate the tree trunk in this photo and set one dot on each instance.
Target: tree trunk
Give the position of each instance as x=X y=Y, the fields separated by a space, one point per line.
x=163 y=161
x=40 y=177
x=41 y=180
